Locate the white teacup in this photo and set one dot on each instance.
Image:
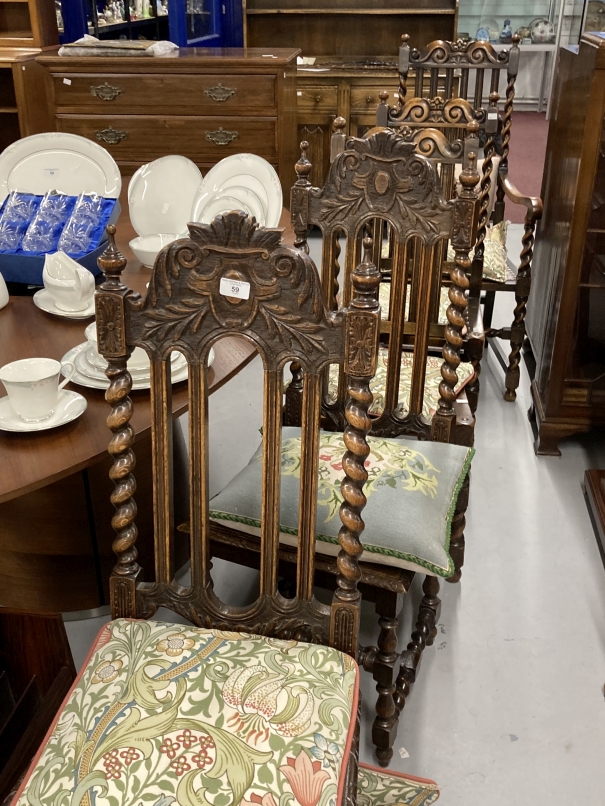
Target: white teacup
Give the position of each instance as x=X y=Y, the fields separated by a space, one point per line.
x=138 y=361
x=71 y=286
x=33 y=386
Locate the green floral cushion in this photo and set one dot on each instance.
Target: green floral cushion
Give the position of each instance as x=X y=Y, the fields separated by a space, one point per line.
x=166 y=714
x=378 y=787
x=495 y=254
x=411 y=496
x=431 y=383
x=384 y=298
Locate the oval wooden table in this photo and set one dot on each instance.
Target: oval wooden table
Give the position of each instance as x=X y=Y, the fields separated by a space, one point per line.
x=55 y=513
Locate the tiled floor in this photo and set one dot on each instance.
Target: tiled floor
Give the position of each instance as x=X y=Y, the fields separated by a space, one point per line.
x=509 y=707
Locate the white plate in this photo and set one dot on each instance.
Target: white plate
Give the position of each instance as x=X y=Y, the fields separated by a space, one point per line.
x=85 y=364
x=161 y=194
x=56 y=160
x=235 y=198
x=44 y=301
x=251 y=183
x=219 y=203
x=69 y=406
x=254 y=166
x=103 y=383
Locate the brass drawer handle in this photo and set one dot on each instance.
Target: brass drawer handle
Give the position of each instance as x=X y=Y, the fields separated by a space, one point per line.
x=369 y=99
x=318 y=98
x=221 y=137
x=220 y=93
x=106 y=92
x=111 y=135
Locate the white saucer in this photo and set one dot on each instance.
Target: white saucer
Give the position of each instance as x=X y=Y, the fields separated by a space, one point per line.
x=86 y=367
x=219 y=203
x=138 y=384
x=70 y=406
x=44 y=301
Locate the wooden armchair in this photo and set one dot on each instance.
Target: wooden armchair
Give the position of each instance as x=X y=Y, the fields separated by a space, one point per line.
x=458 y=74
x=166 y=713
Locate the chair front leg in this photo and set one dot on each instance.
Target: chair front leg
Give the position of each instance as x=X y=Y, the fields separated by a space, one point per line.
x=517 y=331
x=457 y=535
x=381 y=662
x=423 y=636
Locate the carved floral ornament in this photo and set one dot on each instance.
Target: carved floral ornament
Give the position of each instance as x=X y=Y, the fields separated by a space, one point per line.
x=383 y=175
x=184 y=291
x=463 y=53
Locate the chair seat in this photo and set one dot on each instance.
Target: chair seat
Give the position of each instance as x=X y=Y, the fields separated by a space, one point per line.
x=384 y=297
x=166 y=713
x=495 y=255
x=377 y=787
x=431 y=383
x=411 y=494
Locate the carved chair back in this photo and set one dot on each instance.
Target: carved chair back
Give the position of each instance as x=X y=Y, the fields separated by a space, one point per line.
x=458 y=74
x=382 y=179
x=191 y=303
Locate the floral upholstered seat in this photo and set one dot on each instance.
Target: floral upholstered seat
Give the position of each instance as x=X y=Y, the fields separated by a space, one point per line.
x=431 y=382
x=167 y=714
x=384 y=297
x=412 y=490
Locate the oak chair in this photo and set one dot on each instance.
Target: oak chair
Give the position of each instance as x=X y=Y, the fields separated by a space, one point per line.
x=454 y=93
x=414 y=518
x=168 y=711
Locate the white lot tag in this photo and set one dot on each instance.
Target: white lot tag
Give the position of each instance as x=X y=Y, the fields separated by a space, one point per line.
x=492 y=116
x=67 y=81
x=234 y=288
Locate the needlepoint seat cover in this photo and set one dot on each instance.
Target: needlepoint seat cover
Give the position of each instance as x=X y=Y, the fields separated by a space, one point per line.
x=169 y=714
x=412 y=490
x=432 y=379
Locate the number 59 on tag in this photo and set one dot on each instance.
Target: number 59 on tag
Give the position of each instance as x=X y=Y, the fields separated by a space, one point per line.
x=234 y=288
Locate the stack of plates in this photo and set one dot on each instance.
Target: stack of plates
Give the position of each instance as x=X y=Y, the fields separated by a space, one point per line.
x=90 y=367
x=240 y=182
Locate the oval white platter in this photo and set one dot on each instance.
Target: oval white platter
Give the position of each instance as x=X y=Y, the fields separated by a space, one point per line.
x=61 y=161
x=161 y=194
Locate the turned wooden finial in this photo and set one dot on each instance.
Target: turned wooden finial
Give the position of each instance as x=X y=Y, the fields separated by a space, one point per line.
x=405 y=38
x=112 y=262
x=303 y=167
x=366 y=279
x=469 y=176
x=339 y=125
x=473 y=128
x=516 y=39
x=494 y=97
x=384 y=96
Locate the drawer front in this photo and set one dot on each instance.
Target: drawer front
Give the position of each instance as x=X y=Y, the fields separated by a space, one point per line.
x=320 y=98
x=186 y=94
x=202 y=139
x=366 y=99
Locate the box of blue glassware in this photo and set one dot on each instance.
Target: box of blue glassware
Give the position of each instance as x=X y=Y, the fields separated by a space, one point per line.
x=19 y=265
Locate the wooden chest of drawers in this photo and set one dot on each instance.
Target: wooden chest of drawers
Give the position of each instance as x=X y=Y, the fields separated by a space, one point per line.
x=204 y=104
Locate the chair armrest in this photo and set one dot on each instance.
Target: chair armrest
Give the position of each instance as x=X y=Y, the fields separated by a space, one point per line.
x=465 y=422
x=533 y=204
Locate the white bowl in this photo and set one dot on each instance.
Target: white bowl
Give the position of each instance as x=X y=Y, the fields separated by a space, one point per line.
x=147 y=247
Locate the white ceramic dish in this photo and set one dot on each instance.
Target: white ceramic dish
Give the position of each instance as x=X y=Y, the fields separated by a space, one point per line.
x=139 y=360
x=220 y=203
x=44 y=301
x=161 y=194
x=247 y=165
x=56 y=160
x=85 y=365
x=251 y=183
x=147 y=247
x=103 y=383
x=70 y=406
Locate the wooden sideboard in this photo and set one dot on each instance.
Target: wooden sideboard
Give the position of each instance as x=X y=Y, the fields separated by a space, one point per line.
x=566 y=313
x=23 y=107
x=355 y=44
x=204 y=104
